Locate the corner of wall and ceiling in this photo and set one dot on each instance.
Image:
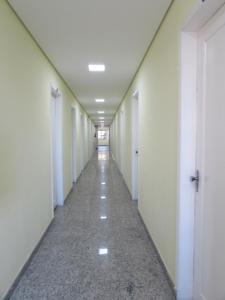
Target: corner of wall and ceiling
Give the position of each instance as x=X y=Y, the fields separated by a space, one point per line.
x=142 y=61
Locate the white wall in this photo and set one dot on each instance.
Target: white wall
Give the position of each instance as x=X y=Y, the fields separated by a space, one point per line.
x=26 y=207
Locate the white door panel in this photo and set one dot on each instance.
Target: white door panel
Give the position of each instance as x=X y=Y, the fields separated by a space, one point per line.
x=210 y=231
x=74 y=145
x=135 y=148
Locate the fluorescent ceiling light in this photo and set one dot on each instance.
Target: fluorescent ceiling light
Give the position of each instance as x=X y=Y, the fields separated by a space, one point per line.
x=96 y=68
x=100 y=112
x=101 y=118
x=100 y=100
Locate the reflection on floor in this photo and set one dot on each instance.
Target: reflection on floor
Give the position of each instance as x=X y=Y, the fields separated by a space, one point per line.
x=97 y=247
x=103 y=152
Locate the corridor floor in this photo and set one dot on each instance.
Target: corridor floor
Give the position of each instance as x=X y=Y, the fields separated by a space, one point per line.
x=96 y=247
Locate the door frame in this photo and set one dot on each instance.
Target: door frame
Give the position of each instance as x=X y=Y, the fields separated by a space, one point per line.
x=56 y=96
x=186 y=208
x=135 y=145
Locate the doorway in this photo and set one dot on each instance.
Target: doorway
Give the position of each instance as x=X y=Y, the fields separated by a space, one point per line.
x=135 y=148
x=74 y=144
x=103 y=142
x=103 y=137
x=201 y=206
x=56 y=142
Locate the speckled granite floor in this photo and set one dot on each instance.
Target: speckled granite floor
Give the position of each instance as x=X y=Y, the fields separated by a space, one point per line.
x=96 y=248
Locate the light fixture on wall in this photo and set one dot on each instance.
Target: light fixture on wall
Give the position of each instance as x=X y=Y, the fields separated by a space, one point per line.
x=99 y=100
x=96 y=68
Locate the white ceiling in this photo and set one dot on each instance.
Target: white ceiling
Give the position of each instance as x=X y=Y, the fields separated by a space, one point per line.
x=74 y=33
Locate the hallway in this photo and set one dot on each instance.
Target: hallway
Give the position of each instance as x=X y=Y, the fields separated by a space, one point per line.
x=97 y=247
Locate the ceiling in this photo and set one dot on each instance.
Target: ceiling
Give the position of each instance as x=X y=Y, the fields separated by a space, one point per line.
x=75 y=33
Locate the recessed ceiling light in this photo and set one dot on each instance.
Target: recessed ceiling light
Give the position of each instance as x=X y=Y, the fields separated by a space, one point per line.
x=100 y=100
x=100 y=112
x=96 y=68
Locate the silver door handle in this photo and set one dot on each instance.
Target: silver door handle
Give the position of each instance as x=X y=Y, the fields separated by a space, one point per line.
x=196 y=179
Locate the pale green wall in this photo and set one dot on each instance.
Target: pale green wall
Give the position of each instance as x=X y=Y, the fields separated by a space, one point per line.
x=25 y=174
x=158 y=84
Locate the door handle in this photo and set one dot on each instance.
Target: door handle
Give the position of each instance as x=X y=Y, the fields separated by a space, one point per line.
x=136 y=152
x=196 y=179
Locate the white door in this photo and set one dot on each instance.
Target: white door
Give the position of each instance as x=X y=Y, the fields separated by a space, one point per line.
x=135 y=126
x=122 y=142
x=56 y=136
x=82 y=154
x=210 y=200
x=74 y=145
x=54 y=152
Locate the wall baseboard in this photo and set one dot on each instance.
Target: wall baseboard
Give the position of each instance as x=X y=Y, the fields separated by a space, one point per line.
x=124 y=181
x=70 y=192
x=170 y=281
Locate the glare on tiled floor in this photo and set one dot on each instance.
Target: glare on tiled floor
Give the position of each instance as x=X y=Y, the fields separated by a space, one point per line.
x=103 y=197
x=103 y=156
x=103 y=251
x=103 y=217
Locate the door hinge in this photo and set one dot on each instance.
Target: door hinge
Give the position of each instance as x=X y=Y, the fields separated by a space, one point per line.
x=196 y=179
